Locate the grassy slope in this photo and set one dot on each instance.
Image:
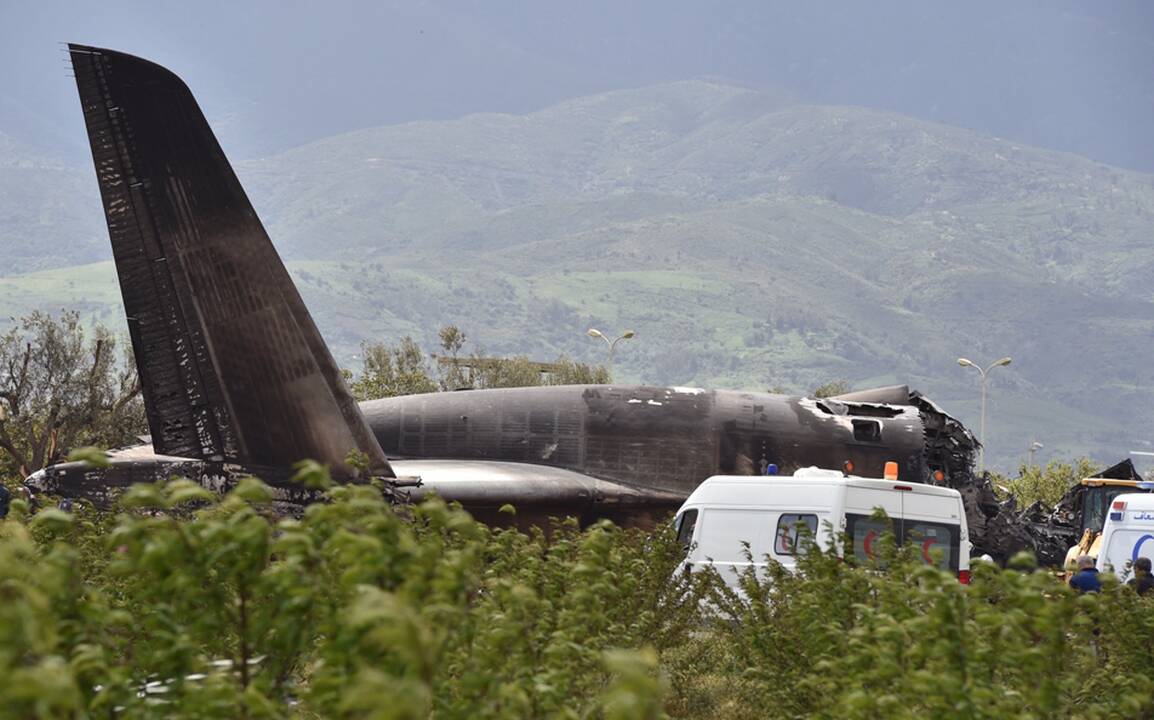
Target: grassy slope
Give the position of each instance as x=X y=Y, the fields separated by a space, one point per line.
x=749 y=242
x=49 y=212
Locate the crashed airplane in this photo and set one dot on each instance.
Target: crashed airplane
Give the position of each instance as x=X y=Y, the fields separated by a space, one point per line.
x=237 y=380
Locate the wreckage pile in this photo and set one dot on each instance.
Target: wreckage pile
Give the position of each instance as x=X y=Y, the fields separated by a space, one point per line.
x=997 y=526
x=1000 y=529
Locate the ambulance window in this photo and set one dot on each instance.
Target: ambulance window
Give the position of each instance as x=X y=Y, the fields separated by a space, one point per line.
x=686 y=522
x=866 y=532
x=789 y=535
x=935 y=544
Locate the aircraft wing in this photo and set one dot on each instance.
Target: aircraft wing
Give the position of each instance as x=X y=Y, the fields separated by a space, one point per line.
x=535 y=491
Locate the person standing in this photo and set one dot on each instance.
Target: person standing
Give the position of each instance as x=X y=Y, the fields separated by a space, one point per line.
x=1143 y=580
x=1086 y=579
x=5 y=500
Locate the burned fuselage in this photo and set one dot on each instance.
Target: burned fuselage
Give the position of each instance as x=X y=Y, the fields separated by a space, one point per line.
x=661 y=438
x=628 y=453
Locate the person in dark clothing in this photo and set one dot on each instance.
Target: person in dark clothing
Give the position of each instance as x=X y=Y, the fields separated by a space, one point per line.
x=1143 y=580
x=5 y=499
x=1086 y=579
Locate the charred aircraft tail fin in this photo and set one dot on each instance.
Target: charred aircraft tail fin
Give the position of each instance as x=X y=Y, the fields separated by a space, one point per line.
x=231 y=364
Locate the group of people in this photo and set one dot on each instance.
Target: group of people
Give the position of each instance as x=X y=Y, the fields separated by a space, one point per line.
x=1087 y=580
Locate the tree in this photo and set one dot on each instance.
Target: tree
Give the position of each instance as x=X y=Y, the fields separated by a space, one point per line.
x=453 y=376
x=452 y=339
x=391 y=371
x=59 y=391
x=571 y=372
x=404 y=369
x=1047 y=484
x=511 y=372
x=521 y=372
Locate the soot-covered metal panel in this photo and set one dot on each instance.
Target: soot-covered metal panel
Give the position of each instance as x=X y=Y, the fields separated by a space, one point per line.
x=232 y=367
x=664 y=439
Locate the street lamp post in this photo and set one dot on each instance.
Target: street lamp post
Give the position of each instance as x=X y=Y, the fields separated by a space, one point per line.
x=982 y=428
x=1034 y=447
x=595 y=333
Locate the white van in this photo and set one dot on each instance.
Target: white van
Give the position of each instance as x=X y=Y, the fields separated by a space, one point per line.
x=1128 y=534
x=766 y=512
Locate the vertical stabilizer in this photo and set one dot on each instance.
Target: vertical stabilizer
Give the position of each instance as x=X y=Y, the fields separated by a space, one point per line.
x=231 y=364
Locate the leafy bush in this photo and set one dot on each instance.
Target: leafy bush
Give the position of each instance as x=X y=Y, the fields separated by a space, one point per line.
x=352 y=610
x=837 y=640
x=187 y=605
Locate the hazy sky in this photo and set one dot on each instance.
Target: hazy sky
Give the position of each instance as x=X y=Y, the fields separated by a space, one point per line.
x=1076 y=75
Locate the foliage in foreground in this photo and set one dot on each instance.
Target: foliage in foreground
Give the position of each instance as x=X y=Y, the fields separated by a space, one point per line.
x=350 y=611
x=184 y=605
x=837 y=641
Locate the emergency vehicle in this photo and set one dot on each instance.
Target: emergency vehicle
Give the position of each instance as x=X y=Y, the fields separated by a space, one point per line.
x=732 y=522
x=1127 y=535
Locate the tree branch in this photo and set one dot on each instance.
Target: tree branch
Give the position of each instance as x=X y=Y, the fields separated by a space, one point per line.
x=9 y=447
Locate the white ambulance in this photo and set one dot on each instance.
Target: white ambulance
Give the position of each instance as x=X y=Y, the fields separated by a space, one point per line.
x=1128 y=534
x=727 y=513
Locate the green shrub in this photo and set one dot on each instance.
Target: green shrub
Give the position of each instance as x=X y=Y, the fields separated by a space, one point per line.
x=186 y=605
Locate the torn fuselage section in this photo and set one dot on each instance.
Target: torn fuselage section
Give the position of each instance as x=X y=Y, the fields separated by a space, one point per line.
x=995 y=525
x=1080 y=513
x=946 y=449
x=947 y=455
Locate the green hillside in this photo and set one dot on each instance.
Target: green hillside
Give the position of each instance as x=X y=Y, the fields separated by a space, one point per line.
x=49 y=212
x=749 y=241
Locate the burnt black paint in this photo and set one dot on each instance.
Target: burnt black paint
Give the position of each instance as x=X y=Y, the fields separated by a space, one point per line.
x=225 y=347
x=643 y=436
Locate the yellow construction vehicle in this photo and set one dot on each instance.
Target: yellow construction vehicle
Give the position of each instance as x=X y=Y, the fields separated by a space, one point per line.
x=1091 y=504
